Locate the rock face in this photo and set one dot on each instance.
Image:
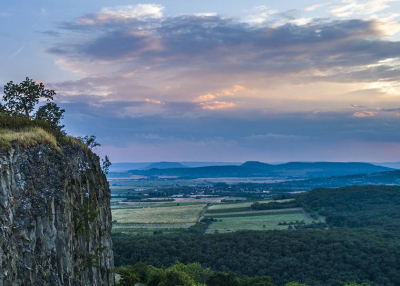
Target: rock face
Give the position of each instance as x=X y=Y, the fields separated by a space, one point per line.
x=55 y=218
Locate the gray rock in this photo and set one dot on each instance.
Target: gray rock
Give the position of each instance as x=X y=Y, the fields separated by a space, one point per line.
x=55 y=218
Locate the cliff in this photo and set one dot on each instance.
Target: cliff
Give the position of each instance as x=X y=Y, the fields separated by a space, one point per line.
x=55 y=217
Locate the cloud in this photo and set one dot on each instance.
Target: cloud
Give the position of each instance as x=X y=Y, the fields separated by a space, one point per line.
x=221 y=86
x=221 y=44
x=276 y=136
x=225 y=92
x=352 y=7
x=206 y=14
x=315 y=7
x=259 y=14
x=140 y=11
x=214 y=105
x=50 y=33
x=205 y=97
x=363 y=114
x=354 y=106
x=110 y=17
x=154 y=101
x=197 y=64
x=300 y=136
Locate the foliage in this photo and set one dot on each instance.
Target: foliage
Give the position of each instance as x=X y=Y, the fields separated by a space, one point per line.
x=312 y=256
x=354 y=207
x=274 y=205
x=2 y=108
x=23 y=97
x=90 y=141
x=20 y=100
x=89 y=211
x=180 y=274
x=128 y=276
x=192 y=274
x=176 y=275
x=51 y=113
x=106 y=164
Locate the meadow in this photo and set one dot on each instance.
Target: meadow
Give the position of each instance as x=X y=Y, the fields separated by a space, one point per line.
x=174 y=217
x=258 y=220
x=157 y=215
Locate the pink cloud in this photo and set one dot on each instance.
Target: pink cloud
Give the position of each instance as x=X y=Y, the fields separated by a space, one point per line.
x=365 y=114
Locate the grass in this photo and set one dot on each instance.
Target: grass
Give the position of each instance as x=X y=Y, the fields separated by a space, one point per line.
x=174 y=204
x=228 y=210
x=27 y=137
x=255 y=213
x=239 y=206
x=149 y=229
x=32 y=132
x=165 y=215
x=262 y=221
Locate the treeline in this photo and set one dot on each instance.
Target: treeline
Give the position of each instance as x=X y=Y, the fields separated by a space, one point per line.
x=192 y=274
x=354 y=207
x=311 y=256
x=275 y=205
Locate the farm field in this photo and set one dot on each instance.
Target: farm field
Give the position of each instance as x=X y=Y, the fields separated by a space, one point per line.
x=166 y=215
x=246 y=204
x=174 y=217
x=255 y=213
x=258 y=220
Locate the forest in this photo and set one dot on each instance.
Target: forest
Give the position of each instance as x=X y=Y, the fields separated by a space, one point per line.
x=192 y=274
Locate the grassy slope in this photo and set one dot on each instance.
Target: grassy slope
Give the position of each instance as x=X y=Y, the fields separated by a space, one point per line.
x=27 y=137
x=28 y=133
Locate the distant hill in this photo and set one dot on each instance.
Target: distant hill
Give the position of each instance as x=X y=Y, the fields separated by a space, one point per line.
x=165 y=165
x=394 y=165
x=126 y=166
x=382 y=178
x=318 y=169
x=194 y=164
x=257 y=169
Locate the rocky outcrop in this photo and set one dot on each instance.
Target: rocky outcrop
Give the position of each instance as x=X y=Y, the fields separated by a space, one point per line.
x=55 y=218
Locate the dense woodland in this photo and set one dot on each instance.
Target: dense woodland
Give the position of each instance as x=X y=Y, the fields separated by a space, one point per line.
x=192 y=274
x=361 y=243
x=369 y=206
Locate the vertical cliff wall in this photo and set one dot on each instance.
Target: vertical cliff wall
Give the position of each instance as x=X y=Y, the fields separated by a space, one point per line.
x=55 y=218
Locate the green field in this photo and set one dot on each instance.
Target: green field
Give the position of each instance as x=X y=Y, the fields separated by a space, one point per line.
x=246 y=204
x=168 y=219
x=174 y=218
x=255 y=213
x=167 y=215
x=258 y=220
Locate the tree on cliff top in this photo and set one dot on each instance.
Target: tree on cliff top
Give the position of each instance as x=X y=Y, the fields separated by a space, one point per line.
x=17 y=111
x=23 y=97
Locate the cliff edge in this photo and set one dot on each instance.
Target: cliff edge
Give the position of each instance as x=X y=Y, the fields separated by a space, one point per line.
x=55 y=217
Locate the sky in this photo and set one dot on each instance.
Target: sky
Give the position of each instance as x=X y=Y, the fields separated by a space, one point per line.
x=219 y=80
